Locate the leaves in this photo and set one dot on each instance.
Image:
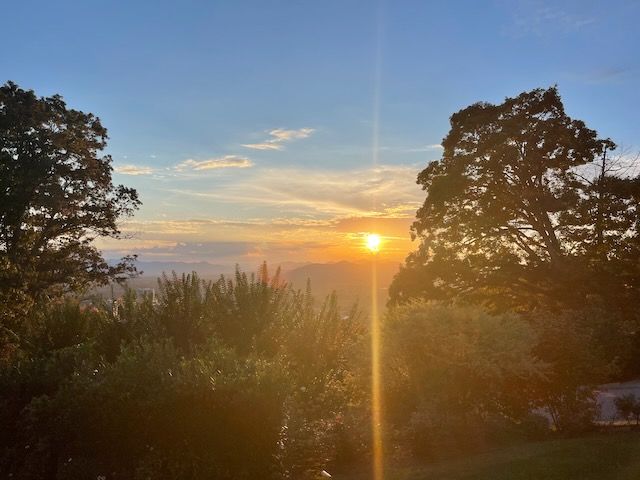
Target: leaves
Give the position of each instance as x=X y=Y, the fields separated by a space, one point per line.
x=511 y=221
x=56 y=196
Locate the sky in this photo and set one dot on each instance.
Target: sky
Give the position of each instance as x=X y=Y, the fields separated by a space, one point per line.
x=287 y=130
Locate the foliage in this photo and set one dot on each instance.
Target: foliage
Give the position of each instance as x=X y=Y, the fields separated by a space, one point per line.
x=57 y=196
x=581 y=351
x=528 y=211
x=153 y=413
x=453 y=371
x=514 y=218
x=172 y=390
x=628 y=405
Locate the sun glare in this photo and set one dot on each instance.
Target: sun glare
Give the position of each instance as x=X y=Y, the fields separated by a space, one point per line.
x=373 y=242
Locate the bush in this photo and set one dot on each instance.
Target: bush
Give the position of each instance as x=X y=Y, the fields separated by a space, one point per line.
x=242 y=378
x=628 y=406
x=579 y=355
x=457 y=377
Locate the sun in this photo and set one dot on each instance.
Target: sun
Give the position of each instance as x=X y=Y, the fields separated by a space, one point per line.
x=373 y=242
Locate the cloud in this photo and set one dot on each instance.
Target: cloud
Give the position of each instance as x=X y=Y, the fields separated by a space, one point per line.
x=319 y=193
x=281 y=240
x=279 y=136
x=133 y=170
x=424 y=148
x=541 y=17
x=280 y=214
x=602 y=76
x=264 y=146
x=365 y=191
x=227 y=161
x=389 y=225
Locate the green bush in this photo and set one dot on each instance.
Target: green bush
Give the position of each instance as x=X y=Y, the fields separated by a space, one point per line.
x=234 y=379
x=457 y=378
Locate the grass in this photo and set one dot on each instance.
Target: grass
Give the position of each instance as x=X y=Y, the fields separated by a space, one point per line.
x=597 y=457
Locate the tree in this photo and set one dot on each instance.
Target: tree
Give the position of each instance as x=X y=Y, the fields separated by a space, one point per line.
x=451 y=370
x=513 y=218
x=581 y=350
x=626 y=406
x=57 y=196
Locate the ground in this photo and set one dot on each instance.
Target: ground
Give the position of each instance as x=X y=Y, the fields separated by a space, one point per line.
x=596 y=457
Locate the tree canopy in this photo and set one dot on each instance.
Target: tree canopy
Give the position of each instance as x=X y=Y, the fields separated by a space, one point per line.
x=525 y=209
x=57 y=196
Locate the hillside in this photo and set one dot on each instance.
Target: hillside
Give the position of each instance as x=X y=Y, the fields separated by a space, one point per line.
x=351 y=281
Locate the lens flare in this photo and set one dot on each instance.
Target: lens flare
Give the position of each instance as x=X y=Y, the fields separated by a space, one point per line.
x=376 y=376
x=373 y=244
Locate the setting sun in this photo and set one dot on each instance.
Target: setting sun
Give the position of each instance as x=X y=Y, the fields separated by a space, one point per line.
x=373 y=242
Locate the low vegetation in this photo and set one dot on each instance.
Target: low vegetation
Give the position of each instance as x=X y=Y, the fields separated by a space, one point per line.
x=594 y=457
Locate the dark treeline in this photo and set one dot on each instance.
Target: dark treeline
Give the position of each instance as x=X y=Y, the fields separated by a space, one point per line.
x=520 y=299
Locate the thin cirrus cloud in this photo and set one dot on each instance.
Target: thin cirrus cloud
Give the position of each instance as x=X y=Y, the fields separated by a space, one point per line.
x=227 y=161
x=425 y=148
x=321 y=193
x=279 y=137
x=232 y=242
x=544 y=17
x=299 y=214
x=133 y=170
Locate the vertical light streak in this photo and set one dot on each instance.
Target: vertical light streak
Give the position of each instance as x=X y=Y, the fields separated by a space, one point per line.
x=377 y=76
x=376 y=378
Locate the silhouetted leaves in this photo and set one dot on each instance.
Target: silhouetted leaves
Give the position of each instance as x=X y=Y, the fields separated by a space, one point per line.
x=515 y=216
x=56 y=197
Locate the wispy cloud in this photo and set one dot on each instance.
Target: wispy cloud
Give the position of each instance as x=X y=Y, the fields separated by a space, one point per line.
x=284 y=239
x=133 y=170
x=227 y=161
x=368 y=191
x=279 y=136
x=432 y=147
x=602 y=75
x=298 y=214
x=540 y=17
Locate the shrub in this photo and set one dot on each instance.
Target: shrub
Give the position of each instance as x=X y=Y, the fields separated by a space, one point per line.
x=456 y=376
x=627 y=406
x=242 y=378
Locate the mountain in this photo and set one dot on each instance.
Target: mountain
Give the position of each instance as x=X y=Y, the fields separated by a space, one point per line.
x=207 y=270
x=203 y=269
x=351 y=281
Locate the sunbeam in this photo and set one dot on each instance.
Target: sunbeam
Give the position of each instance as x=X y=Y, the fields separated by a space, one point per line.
x=373 y=243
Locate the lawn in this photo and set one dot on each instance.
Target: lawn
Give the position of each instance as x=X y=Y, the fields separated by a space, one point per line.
x=597 y=457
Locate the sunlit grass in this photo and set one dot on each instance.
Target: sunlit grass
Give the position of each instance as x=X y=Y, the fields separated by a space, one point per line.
x=597 y=457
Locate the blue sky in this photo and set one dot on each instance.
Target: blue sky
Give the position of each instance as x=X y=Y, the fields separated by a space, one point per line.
x=249 y=124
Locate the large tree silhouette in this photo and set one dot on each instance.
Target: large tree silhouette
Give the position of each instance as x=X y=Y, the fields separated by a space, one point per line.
x=57 y=196
x=524 y=210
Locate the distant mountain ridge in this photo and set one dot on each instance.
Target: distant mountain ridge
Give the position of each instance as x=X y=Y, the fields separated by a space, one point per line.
x=351 y=281
x=204 y=269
